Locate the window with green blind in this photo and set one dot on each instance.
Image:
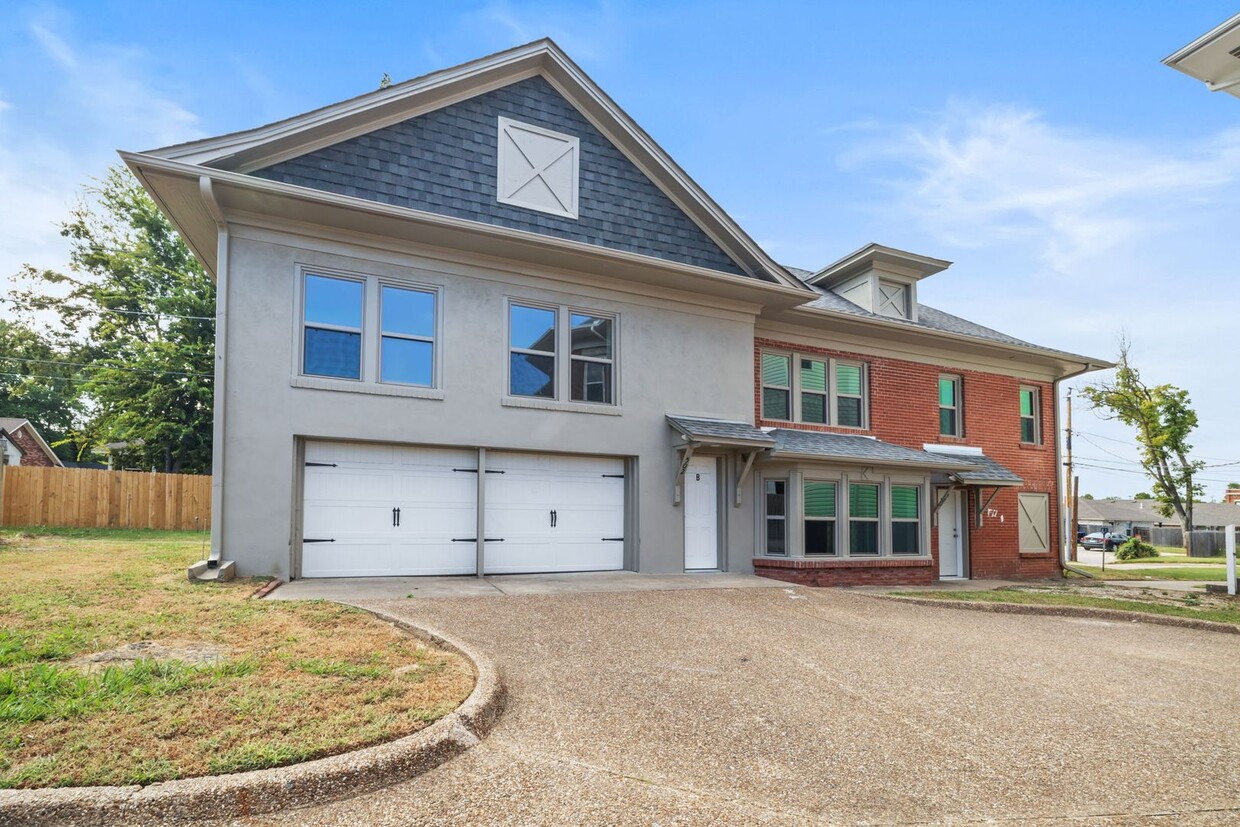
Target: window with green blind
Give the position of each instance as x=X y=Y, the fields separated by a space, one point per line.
x=819 y=506
x=863 y=519
x=776 y=386
x=775 y=509
x=1029 y=404
x=949 y=406
x=849 y=407
x=905 y=519
x=813 y=391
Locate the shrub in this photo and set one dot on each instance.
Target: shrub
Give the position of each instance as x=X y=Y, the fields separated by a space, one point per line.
x=1135 y=549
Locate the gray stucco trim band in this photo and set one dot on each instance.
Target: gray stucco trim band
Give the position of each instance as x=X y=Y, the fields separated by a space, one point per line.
x=220 y=797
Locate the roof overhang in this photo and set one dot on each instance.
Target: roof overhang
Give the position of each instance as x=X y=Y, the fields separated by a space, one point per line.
x=1213 y=58
x=197 y=199
x=256 y=148
x=896 y=331
x=911 y=266
x=859 y=450
x=719 y=432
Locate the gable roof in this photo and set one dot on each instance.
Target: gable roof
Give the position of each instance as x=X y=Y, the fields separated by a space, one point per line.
x=1213 y=58
x=9 y=425
x=252 y=149
x=931 y=320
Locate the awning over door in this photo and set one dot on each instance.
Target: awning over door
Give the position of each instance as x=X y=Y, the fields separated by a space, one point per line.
x=988 y=474
x=703 y=432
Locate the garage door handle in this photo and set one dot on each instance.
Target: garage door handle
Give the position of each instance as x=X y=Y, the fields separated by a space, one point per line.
x=320 y=465
x=308 y=540
x=613 y=539
x=475 y=539
x=553 y=519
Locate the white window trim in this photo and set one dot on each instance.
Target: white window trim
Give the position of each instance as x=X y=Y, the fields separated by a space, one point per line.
x=839 y=549
x=794 y=388
x=562 y=400
x=433 y=340
x=958 y=407
x=371 y=333
x=574 y=146
x=1037 y=414
x=922 y=549
x=762 y=385
x=794 y=504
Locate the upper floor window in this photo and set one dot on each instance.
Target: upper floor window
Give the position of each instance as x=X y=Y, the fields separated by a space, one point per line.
x=332 y=329
x=1030 y=426
x=817 y=390
x=364 y=329
x=537 y=336
x=950 y=420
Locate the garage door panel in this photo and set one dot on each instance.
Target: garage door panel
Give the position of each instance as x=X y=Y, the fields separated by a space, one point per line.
x=350 y=500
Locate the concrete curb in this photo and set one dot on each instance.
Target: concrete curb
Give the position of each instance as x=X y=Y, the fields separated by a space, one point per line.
x=218 y=797
x=1069 y=611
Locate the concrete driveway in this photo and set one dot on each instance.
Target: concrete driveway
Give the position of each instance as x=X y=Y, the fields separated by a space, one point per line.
x=793 y=706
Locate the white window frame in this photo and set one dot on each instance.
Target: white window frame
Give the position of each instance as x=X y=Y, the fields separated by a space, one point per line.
x=766 y=518
x=431 y=340
x=883 y=548
x=790 y=358
x=1036 y=417
x=371 y=332
x=572 y=144
x=360 y=330
x=809 y=479
x=562 y=400
x=919 y=520
x=825 y=393
x=795 y=413
x=958 y=407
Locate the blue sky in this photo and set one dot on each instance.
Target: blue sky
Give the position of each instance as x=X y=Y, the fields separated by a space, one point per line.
x=1081 y=188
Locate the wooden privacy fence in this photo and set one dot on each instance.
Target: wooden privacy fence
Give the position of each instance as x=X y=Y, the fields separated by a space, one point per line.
x=81 y=498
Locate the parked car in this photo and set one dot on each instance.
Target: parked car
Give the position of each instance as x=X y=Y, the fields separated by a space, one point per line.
x=1102 y=540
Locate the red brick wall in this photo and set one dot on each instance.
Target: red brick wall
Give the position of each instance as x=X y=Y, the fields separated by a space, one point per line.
x=885 y=572
x=904 y=410
x=32 y=452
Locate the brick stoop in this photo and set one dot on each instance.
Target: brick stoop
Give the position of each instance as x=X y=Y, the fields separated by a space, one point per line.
x=887 y=572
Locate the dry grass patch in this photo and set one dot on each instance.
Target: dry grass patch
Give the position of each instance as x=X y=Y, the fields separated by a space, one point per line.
x=292 y=681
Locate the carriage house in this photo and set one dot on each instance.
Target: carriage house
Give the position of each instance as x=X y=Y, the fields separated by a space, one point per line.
x=480 y=323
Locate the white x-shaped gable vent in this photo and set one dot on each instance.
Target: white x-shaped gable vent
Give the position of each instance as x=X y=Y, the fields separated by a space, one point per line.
x=892 y=300
x=538 y=168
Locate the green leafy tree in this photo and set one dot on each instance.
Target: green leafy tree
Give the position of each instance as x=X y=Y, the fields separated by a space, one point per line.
x=1163 y=419
x=37 y=383
x=139 y=310
x=1087 y=496
x=1143 y=495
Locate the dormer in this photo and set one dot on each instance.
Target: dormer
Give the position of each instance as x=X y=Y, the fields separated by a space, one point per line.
x=881 y=280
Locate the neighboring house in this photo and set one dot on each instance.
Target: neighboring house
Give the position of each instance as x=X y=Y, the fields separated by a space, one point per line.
x=1231 y=495
x=479 y=322
x=1142 y=515
x=1213 y=58
x=21 y=444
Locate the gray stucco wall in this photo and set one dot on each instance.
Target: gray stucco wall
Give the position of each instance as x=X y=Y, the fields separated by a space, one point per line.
x=672 y=359
x=445 y=162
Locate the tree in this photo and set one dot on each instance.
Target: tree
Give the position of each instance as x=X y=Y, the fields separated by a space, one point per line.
x=1231 y=486
x=1163 y=418
x=139 y=313
x=1087 y=496
x=1143 y=495
x=37 y=383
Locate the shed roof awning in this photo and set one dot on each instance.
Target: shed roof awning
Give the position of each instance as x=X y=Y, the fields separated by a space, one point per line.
x=861 y=450
x=987 y=474
x=720 y=431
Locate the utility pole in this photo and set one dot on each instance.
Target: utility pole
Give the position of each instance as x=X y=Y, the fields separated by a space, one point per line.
x=1069 y=506
x=1076 y=504
x=1188 y=523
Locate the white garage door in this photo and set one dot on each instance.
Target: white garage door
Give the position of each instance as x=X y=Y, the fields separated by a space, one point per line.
x=377 y=510
x=548 y=513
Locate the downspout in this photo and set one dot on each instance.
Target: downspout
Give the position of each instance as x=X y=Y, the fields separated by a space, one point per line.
x=221 y=342
x=1064 y=556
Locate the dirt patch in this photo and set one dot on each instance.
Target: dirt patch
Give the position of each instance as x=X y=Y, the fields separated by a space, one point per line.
x=196 y=653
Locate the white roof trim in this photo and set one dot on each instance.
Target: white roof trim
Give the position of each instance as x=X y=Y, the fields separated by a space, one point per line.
x=262 y=146
x=966 y=450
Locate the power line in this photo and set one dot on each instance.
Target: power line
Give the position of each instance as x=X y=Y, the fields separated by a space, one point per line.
x=101 y=367
x=1085 y=434
x=132 y=312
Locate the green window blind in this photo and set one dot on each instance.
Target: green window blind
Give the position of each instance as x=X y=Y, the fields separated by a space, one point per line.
x=819 y=499
x=848 y=379
x=775 y=370
x=1026 y=403
x=947 y=393
x=904 y=502
x=863 y=501
x=813 y=376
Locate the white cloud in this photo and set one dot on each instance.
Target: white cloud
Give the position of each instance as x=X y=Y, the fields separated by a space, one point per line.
x=96 y=97
x=973 y=176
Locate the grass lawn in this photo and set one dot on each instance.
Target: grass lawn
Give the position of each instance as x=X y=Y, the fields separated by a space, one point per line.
x=1201 y=607
x=1217 y=573
x=289 y=681
x=1176 y=557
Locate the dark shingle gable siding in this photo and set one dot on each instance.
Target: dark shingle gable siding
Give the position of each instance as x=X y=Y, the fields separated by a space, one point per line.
x=445 y=162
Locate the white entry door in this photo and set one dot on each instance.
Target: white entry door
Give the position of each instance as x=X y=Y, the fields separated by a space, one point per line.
x=549 y=512
x=701 y=504
x=951 y=536
x=380 y=510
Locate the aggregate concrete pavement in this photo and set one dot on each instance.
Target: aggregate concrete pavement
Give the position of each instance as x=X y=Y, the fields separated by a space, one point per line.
x=800 y=706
